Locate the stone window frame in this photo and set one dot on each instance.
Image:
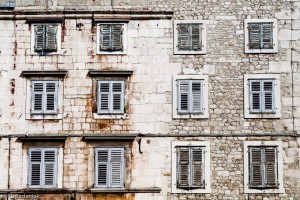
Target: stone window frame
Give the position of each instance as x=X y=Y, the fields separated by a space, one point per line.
x=203 y=34
x=40 y=116
x=275 y=35
x=207 y=173
x=205 y=113
x=247 y=113
x=124 y=39
x=58 y=39
x=277 y=144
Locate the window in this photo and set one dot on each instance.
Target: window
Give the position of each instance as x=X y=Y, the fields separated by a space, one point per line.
x=262 y=96
x=45 y=38
x=263 y=167
x=261 y=36
x=42 y=167
x=44 y=97
x=190 y=96
x=189 y=37
x=109 y=167
x=190 y=168
x=110 y=97
x=111 y=38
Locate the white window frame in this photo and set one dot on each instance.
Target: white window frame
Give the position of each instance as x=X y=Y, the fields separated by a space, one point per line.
x=124 y=38
x=275 y=36
x=206 y=146
x=202 y=115
x=277 y=97
x=29 y=96
x=280 y=188
x=58 y=39
x=203 y=34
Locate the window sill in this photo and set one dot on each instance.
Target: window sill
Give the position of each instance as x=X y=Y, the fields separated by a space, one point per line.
x=204 y=115
x=262 y=115
x=177 y=52
x=44 y=116
x=32 y=53
x=111 y=53
x=275 y=50
x=266 y=191
x=124 y=190
x=110 y=116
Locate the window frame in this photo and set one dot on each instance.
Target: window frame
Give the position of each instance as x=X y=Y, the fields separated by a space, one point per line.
x=58 y=40
x=204 y=97
x=275 y=35
x=203 y=36
x=206 y=171
x=124 y=38
x=247 y=187
x=276 y=113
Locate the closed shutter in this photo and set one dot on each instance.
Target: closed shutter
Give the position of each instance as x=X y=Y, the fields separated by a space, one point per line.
x=50 y=40
x=105 y=37
x=196 y=38
x=50 y=167
x=269 y=95
x=35 y=179
x=111 y=37
x=271 y=167
x=103 y=93
x=196 y=95
x=117 y=96
x=183 y=37
x=183 y=96
x=183 y=177
x=256 y=168
x=117 y=37
x=189 y=37
x=255 y=96
x=39 y=38
x=254 y=35
x=101 y=169
x=267 y=35
x=116 y=163
x=197 y=167
x=51 y=97
x=37 y=97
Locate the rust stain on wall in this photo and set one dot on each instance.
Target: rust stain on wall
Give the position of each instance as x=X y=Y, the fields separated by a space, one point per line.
x=12 y=86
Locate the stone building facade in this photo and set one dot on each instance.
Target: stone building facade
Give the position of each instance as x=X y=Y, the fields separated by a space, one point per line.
x=51 y=99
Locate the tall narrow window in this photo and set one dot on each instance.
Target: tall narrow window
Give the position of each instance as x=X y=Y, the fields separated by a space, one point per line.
x=111 y=97
x=44 y=97
x=260 y=35
x=190 y=96
x=109 y=167
x=263 y=167
x=190 y=167
x=42 y=167
x=262 y=96
x=45 y=38
x=111 y=37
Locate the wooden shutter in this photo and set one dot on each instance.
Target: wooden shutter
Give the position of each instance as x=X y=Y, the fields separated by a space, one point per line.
x=271 y=167
x=50 y=167
x=103 y=94
x=196 y=95
x=39 y=38
x=255 y=96
x=101 y=169
x=117 y=37
x=35 y=179
x=256 y=168
x=183 y=167
x=183 y=37
x=51 y=97
x=105 y=37
x=267 y=36
x=117 y=96
x=37 y=97
x=197 y=167
x=196 y=38
x=116 y=166
x=269 y=95
x=254 y=35
x=50 y=39
x=183 y=96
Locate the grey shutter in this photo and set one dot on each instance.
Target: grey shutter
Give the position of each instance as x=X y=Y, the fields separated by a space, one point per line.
x=255 y=95
x=183 y=37
x=116 y=166
x=103 y=96
x=271 y=167
x=39 y=38
x=183 y=96
x=267 y=36
x=117 y=37
x=117 y=88
x=50 y=39
x=256 y=168
x=50 y=167
x=269 y=95
x=254 y=35
x=183 y=169
x=196 y=38
x=196 y=96
x=105 y=37
x=197 y=167
x=101 y=168
x=51 y=88
x=35 y=158
x=37 y=97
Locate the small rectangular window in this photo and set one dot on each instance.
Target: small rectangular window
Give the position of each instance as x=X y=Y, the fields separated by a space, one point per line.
x=45 y=38
x=44 y=97
x=109 y=167
x=263 y=167
x=260 y=35
x=189 y=37
x=42 y=167
x=111 y=37
x=111 y=97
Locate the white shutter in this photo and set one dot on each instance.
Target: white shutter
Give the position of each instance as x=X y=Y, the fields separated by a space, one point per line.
x=51 y=92
x=103 y=96
x=51 y=40
x=50 y=167
x=37 y=97
x=39 y=33
x=183 y=96
x=196 y=96
x=255 y=95
x=101 y=168
x=117 y=88
x=35 y=168
x=116 y=164
x=269 y=95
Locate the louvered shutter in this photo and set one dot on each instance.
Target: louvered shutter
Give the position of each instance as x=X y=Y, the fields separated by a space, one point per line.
x=255 y=96
x=51 y=97
x=197 y=167
x=50 y=39
x=267 y=36
x=117 y=96
x=271 y=167
x=269 y=95
x=103 y=94
x=254 y=35
x=116 y=164
x=50 y=167
x=37 y=97
x=183 y=96
x=196 y=41
x=183 y=37
x=183 y=169
x=256 y=168
x=102 y=159
x=35 y=178
x=117 y=37
x=105 y=37
x=196 y=95
x=39 y=38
